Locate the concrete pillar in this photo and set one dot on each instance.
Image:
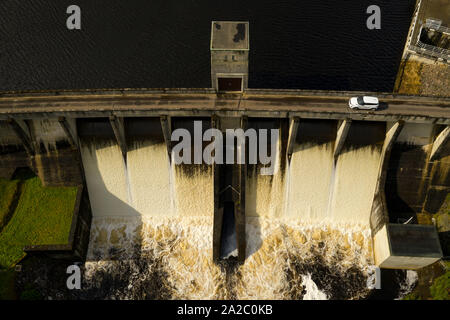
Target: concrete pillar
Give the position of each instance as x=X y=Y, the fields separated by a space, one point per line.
x=379 y=214
x=439 y=143
x=167 y=133
x=293 y=128
x=29 y=124
x=218 y=212
x=231 y=189
x=65 y=126
x=240 y=201
x=23 y=134
x=119 y=133
x=341 y=136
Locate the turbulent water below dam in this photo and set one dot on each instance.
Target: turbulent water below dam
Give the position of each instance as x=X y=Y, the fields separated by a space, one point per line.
x=307 y=226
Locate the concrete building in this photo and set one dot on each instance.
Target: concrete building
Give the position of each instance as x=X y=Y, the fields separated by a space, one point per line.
x=405 y=246
x=229 y=55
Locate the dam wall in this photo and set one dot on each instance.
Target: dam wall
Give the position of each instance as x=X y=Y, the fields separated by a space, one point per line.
x=144 y=182
x=327 y=178
x=42 y=145
x=410 y=173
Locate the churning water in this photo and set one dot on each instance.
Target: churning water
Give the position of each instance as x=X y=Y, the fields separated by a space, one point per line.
x=307 y=226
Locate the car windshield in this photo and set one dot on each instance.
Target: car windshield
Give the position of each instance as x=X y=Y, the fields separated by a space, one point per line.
x=360 y=100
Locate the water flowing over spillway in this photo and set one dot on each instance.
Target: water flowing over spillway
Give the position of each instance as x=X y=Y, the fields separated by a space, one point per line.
x=307 y=226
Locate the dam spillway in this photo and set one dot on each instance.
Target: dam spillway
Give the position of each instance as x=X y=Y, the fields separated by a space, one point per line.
x=175 y=220
x=307 y=227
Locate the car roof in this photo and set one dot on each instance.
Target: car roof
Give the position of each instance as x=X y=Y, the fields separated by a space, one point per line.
x=372 y=100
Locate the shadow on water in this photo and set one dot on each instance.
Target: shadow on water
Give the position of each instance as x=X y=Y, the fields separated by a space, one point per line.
x=254 y=177
x=403 y=181
x=228 y=235
x=363 y=134
x=335 y=282
x=143 y=132
x=391 y=286
x=312 y=133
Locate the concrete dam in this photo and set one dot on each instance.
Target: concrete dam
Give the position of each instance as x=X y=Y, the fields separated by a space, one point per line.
x=347 y=192
x=341 y=191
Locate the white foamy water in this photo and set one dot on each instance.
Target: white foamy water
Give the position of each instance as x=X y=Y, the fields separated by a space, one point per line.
x=149 y=171
x=354 y=185
x=307 y=229
x=264 y=194
x=408 y=285
x=279 y=264
x=106 y=179
x=309 y=183
x=312 y=292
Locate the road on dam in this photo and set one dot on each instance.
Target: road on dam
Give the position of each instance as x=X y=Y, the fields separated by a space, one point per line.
x=254 y=103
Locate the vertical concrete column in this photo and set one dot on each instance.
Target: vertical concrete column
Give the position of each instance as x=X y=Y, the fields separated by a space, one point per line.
x=218 y=212
x=341 y=136
x=23 y=133
x=119 y=133
x=293 y=129
x=379 y=214
x=240 y=198
x=32 y=135
x=65 y=126
x=167 y=133
x=439 y=143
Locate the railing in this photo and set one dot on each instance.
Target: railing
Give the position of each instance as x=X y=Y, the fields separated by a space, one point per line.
x=434 y=52
x=433 y=24
x=431 y=50
x=413 y=26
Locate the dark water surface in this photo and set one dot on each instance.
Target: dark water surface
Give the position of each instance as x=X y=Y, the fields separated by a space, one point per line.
x=165 y=43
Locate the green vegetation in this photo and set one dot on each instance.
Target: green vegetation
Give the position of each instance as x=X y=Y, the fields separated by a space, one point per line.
x=412 y=296
x=8 y=190
x=29 y=293
x=7 y=291
x=43 y=216
x=439 y=289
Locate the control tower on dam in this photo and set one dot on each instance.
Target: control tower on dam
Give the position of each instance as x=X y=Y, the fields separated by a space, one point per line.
x=230 y=172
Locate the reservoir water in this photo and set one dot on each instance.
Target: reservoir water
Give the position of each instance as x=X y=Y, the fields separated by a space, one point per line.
x=156 y=44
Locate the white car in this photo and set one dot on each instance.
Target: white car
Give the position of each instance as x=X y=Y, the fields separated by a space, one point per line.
x=364 y=102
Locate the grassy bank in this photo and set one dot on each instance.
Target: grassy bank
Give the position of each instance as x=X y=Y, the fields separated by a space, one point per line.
x=7 y=290
x=8 y=191
x=43 y=215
